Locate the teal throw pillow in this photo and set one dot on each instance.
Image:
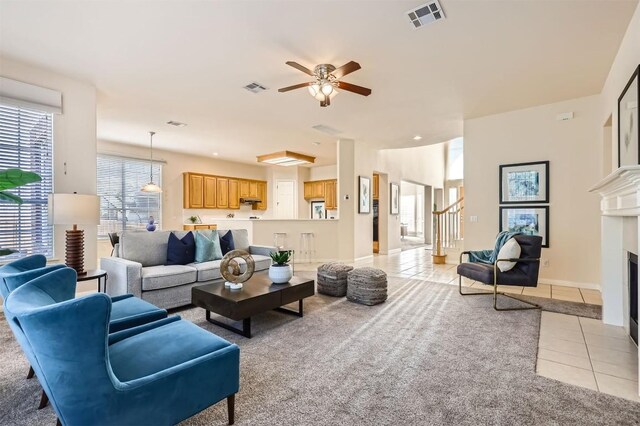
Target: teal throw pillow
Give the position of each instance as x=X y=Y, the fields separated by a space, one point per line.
x=207 y=246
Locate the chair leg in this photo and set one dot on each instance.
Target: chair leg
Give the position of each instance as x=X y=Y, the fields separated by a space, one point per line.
x=496 y=293
x=231 y=408
x=31 y=373
x=468 y=294
x=44 y=400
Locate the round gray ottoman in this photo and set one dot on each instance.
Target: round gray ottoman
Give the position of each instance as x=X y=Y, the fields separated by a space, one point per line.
x=367 y=286
x=332 y=278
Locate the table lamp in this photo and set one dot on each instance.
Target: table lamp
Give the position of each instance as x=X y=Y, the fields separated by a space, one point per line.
x=74 y=209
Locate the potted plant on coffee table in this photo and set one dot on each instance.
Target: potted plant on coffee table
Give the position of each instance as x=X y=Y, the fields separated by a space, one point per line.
x=280 y=271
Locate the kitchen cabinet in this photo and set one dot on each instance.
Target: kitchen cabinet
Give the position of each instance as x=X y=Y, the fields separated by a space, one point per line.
x=308 y=190
x=244 y=189
x=210 y=201
x=261 y=189
x=223 y=193
x=193 y=191
x=234 y=194
x=330 y=195
x=253 y=189
x=376 y=187
x=195 y=227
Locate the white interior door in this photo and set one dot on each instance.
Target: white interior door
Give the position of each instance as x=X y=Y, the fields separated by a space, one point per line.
x=285 y=199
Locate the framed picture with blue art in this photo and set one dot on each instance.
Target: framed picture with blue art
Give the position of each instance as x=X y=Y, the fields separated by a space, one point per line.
x=524 y=183
x=530 y=220
x=628 y=134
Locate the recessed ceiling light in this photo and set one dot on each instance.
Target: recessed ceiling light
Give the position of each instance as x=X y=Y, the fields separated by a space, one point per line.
x=417 y=137
x=176 y=123
x=215 y=154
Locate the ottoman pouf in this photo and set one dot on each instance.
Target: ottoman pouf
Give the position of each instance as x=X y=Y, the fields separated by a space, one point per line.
x=332 y=278
x=367 y=286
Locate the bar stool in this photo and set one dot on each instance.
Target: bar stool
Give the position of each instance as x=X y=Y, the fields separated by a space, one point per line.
x=307 y=246
x=280 y=240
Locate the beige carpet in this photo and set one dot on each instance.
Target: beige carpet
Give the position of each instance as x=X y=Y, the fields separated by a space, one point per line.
x=426 y=356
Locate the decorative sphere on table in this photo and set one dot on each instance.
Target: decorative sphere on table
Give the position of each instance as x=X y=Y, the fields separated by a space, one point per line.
x=230 y=269
x=151 y=226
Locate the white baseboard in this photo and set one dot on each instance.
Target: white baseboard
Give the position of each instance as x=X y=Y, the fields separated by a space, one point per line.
x=564 y=283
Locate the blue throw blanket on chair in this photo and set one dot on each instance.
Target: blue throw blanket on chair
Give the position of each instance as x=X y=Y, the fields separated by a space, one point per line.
x=490 y=256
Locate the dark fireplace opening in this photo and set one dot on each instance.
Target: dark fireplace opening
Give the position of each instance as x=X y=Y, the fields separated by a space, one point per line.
x=633 y=296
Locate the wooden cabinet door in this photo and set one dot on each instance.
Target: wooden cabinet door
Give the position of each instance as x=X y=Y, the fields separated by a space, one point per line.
x=330 y=201
x=261 y=188
x=234 y=194
x=223 y=193
x=308 y=190
x=194 y=191
x=318 y=189
x=376 y=187
x=209 y=192
x=244 y=189
x=253 y=189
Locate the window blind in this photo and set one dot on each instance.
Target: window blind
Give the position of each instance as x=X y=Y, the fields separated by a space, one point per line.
x=122 y=205
x=26 y=143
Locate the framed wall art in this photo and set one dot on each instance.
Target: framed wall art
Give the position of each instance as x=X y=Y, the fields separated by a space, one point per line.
x=628 y=135
x=530 y=220
x=524 y=183
x=364 y=195
x=395 y=199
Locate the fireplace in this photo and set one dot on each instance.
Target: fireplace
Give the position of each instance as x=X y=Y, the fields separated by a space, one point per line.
x=633 y=296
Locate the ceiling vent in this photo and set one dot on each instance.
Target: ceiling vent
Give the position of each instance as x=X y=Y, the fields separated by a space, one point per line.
x=326 y=129
x=425 y=14
x=176 y=123
x=255 y=87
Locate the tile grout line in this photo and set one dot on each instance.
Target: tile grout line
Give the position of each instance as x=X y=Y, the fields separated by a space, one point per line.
x=593 y=371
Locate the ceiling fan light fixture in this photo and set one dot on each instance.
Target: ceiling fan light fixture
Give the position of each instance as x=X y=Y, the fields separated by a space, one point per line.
x=286 y=158
x=314 y=89
x=327 y=88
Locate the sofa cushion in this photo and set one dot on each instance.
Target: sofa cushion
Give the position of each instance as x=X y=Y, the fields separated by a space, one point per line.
x=181 y=251
x=161 y=348
x=207 y=246
x=240 y=239
x=207 y=271
x=226 y=242
x=147 y=248
x=165 y=276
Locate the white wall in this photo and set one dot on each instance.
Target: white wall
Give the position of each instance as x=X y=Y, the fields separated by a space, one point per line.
x=572 y=147
x=323 y=172
x=626 y=61
x=74 y=141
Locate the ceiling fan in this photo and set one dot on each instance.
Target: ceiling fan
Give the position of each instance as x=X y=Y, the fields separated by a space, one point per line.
x=326 y=80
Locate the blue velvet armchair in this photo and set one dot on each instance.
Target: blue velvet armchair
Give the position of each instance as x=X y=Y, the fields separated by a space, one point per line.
x=159 y=373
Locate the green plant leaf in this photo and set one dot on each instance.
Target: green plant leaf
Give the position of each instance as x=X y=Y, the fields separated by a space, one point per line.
x=13 y=178
x=9 y=197
x=6 y=252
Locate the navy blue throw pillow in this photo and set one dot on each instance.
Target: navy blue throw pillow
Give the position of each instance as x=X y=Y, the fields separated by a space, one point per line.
x=181 y=251
x=226 y=243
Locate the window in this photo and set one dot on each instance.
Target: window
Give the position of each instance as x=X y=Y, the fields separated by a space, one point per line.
x=26 y=143
x=122 y=205
x=455 y=159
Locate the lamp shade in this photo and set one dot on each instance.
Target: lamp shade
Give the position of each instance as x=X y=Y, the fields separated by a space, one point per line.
x=74 y=209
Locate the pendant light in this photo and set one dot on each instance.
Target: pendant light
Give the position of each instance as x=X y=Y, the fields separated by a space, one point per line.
x=151 y=187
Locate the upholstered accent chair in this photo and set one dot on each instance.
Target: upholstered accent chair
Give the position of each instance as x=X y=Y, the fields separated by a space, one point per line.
x=158 y=373
x=524 y=273
x=127 y=311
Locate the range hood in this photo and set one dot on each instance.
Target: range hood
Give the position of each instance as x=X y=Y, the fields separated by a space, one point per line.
x=250 y=200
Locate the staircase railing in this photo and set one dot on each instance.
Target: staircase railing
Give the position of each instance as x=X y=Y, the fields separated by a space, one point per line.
x=448 y=228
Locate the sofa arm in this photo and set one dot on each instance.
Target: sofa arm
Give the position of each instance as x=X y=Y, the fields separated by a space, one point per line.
x=262 y=250
x=124 y=276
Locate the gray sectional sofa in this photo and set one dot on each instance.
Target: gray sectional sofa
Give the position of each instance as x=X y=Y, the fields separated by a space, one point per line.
x=138 y=267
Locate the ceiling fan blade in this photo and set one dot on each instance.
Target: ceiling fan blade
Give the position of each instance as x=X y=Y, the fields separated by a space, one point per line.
x=300 y=68
x=353 y=88
x=347 y=68
x=294 y=87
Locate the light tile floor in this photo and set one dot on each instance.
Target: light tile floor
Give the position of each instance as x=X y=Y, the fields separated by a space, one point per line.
x=587 y=353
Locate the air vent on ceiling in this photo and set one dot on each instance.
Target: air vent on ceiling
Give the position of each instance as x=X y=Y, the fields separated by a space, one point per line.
x=427 y=13
x=255 y=87
x=326 y=129
x=176 y=123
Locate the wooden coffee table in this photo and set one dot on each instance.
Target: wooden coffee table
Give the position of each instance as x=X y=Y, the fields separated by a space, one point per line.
x=257 y=295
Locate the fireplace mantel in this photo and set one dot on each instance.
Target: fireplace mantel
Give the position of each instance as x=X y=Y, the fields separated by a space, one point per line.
x=620 y=192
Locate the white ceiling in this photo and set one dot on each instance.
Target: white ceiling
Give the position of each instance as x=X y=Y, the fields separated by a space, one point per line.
x=154 y=61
